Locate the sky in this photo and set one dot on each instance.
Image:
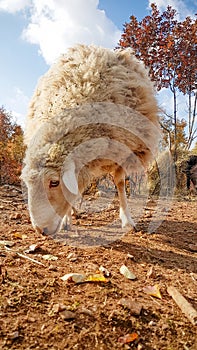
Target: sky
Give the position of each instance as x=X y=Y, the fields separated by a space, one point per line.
x=33 y=33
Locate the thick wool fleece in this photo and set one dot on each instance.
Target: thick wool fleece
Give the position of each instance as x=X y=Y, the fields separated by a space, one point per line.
x=88 y=74
x=76 y=134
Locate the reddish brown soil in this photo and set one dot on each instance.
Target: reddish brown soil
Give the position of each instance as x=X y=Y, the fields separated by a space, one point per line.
x=34 y=301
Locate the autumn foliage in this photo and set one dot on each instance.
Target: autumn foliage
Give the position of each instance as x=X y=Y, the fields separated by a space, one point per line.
x=168 y=48
x=11 y=149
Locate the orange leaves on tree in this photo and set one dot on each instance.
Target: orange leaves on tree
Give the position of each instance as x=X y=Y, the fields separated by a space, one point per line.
x=11 y=149
x=161 y=41
x=168 y=48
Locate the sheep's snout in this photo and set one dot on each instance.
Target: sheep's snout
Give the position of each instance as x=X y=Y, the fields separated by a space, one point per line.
x=45 y=231
x=52 y=228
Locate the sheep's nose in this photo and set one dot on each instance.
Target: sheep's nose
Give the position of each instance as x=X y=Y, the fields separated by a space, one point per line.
x=45 y=231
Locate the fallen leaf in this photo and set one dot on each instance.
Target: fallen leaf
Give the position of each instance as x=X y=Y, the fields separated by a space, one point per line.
x=49 y=257
x=74 y=277
x=128 y=338
x=19 y=235
x=153 y=291
x=7 y=243
x=127 y=273
x=32 y=248
x=131 y=304
x=104 y=271
x=150 y=272
x=97 y=277
x=70 y=255
x=82 y=278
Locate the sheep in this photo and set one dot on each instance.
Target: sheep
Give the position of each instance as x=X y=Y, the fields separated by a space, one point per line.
x=191 y=173
x=94 y=112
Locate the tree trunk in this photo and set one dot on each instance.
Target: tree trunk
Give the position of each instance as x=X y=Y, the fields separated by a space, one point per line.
x=192 y=117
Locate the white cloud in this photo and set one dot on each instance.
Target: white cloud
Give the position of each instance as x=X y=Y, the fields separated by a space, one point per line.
x=17 y=104
x=13 y=6
x=179 y=5
x=55 y=25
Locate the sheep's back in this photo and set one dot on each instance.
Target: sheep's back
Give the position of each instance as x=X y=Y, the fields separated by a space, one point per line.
x=91 y=74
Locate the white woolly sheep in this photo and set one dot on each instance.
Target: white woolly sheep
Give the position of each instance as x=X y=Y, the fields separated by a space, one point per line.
x=94 y=112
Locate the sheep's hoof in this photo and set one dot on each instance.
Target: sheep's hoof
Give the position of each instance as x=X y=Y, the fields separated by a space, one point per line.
x=129 y=224
x=125 y=217
x=67 y=227
x=130 y=227
x=135 y=229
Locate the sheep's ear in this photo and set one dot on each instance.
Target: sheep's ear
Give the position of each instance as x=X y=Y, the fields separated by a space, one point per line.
x=70 y=180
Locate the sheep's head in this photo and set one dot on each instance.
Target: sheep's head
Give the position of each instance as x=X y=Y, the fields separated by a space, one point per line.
x=51 y=194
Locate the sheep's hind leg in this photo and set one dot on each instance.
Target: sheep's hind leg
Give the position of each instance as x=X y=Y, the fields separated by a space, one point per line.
x=119 y=179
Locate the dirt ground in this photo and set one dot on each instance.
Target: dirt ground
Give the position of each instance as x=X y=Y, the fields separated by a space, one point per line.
x=38 y=310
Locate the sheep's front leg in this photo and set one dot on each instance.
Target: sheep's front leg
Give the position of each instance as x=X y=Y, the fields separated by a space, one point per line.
x=119 y=179
x=67 y=221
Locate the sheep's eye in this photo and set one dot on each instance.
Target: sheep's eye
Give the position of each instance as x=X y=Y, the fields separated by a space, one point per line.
x=54 y=183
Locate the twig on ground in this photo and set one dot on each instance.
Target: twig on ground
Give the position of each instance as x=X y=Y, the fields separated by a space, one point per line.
x=184 y=305
x=25 y=256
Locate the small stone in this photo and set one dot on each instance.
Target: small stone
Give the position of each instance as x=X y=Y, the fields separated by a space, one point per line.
x=15 y=216
x=131 y=304
x=72 y=257
x=130 y=256
x=52 y=268
x=86 y=311
x=193 y=247
x=14 y=335
x=67 y=315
